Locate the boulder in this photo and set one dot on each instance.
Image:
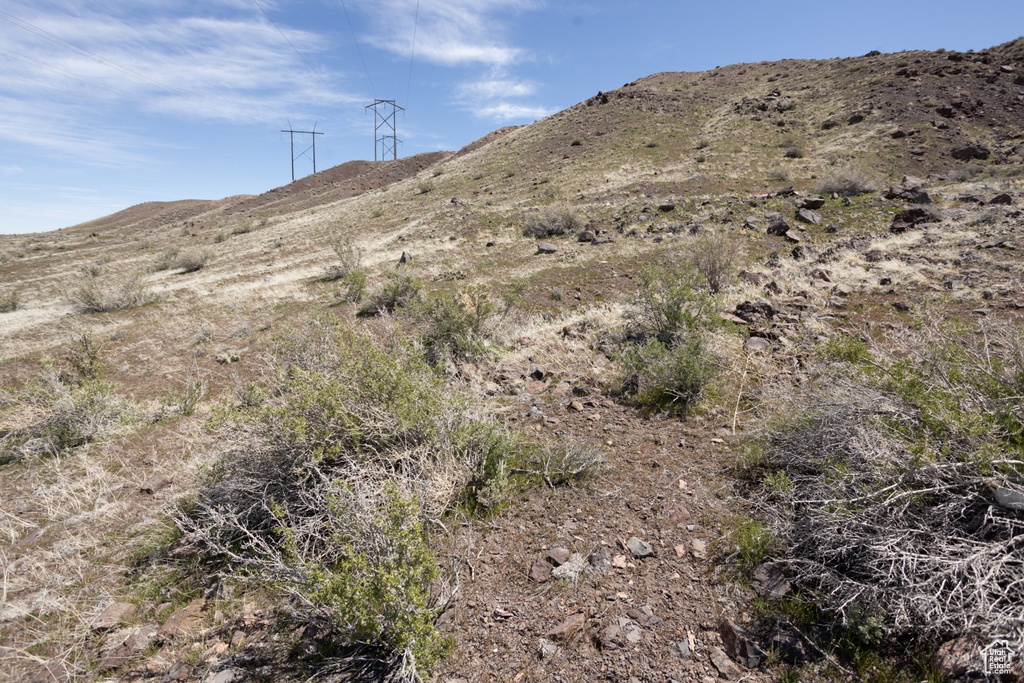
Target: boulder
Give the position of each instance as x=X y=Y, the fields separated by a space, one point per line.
x=812 y=202
x=546 y=248
x=1003 y=198
x=911 y=218
x=909 y=190
x=970 y=152
x=808 y=216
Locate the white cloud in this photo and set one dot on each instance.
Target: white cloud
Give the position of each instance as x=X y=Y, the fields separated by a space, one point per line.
x=8 y=171
x=491 y=88
x=447 y=32
x=509 y=112
x=76 y=73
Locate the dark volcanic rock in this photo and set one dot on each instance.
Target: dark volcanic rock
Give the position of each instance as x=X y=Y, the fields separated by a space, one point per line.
x=808 y=216
x=910 y=218
x=970 y=152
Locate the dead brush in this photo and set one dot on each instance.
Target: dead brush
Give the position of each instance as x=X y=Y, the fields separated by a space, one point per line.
x=897 y=492
x=564 y=461
x=95 y=295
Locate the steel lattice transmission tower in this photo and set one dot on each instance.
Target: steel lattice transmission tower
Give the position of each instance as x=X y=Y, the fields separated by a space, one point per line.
x=384 y=139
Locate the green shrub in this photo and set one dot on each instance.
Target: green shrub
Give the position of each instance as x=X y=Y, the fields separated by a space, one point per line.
x=670 y=302
x=166 y=260
x=355 y=286
x=400 y=290
x=336 y=472
x=454 y=327
x=349 y=259
x=900 y=464
x=845 y=348
x=714 y=257
x=666 y=378
x=551 y=222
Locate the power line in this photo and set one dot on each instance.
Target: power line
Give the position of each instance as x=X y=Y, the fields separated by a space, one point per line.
x=301 y=56
x=358 y=51
x=412 y=51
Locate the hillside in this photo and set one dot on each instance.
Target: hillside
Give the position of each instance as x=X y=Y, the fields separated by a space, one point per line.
x=780 y=302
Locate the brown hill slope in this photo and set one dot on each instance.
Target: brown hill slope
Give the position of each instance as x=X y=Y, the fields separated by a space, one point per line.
x=670 y=167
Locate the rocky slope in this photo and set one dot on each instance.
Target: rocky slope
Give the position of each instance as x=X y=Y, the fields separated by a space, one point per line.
x=645 y=583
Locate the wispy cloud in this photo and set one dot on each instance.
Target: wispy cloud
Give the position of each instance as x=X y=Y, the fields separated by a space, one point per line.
x=72 y=71
x=510 y=112
x=447 y=32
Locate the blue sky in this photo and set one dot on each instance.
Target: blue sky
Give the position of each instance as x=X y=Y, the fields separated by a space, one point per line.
x=108 y=103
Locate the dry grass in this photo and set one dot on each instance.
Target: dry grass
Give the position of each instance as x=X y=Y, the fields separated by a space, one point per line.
x=97 y=295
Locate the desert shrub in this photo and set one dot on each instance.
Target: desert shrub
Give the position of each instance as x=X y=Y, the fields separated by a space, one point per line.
x=552 y=221
x=332 y=479
x=424 y=186
x=193 y=260
x=355 y=286
x=400 y=290
x=67 y=408
x=166 y=260
x=667 y=378
x=794 y=152
x=848 y=182
x=666 y=364
x=564 y=461
x=778 y=173
x=671 y=302
x=349 y=259
x=714 y=257
x=454 y=327
x=10 y=300
x=99 y=296
x=894 y=491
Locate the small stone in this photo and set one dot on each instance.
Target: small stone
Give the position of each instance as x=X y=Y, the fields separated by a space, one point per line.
x=681 y=649
x=538 y=372
x=587 y=236
x=224 y=676
x=536 y=387
x=739 y=645
x=558 y=556
x=721 y=661
x=1001 y=199
x=183 y=622
x=568 y=628
x=699 y=548
x=546 y=649
x=619 y=562
x=812 y=202
x=154 y=484
x=639 y=548
x=405 y=258
x=755 y=344
x=576 y=406
x=571 y=569
x=113 y=616
x=600 y=562
x=546 y=248
x=540 y=571
x=901 y=306
x=794 y=235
